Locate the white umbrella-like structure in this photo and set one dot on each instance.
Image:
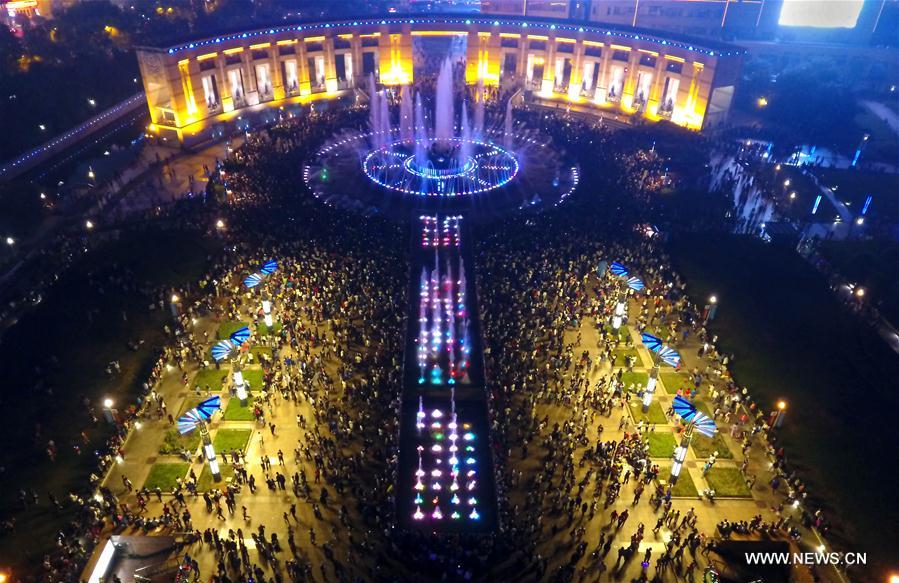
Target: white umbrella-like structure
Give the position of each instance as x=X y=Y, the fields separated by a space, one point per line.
x=196 y=419
x=696 y=421
x=660 y=354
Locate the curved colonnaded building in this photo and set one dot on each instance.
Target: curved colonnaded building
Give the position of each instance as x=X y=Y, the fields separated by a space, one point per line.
x=197 y=88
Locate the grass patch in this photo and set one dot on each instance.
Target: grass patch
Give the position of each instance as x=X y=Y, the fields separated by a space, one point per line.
x=205 y=483
x=638 y=379
x=261 y=351
x=227 y=439
x=622 y=354
x=235 y=412
x=622 y=333
x=661 y=444
x=210 y=377
x=653 y=415
x=226 y=329
x=173 y=442
x=728 y=482
x=674 y=381
x=684 y=488
x=253 y=376
x=703 y=447
x=263 y=330
x=165 y=476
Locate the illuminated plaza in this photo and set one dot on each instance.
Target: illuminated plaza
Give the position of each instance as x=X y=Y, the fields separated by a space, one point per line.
x=509 y=290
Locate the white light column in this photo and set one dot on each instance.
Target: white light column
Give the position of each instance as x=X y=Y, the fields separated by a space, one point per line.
x=651 y=383
x=680 y=454
x=209 y=453
x=267 y=314
x=240 y=387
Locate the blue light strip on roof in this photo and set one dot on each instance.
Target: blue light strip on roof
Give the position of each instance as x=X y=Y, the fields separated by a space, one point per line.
x=452 y=21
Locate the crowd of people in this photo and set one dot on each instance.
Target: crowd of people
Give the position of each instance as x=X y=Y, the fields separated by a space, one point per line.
x=566 y=491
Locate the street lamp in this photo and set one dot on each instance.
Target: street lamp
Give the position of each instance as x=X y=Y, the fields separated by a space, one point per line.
x=711 y=308
x=89 y=224
x=174 y=305
x=220 y=224
x=108 y=411
x=779 y=414
x=10 y=241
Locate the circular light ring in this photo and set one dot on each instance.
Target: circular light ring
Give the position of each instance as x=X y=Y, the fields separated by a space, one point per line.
x=468 y=173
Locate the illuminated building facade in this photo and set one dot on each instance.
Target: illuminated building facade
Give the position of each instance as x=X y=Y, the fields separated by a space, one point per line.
x=14 y=13
x=193 y=86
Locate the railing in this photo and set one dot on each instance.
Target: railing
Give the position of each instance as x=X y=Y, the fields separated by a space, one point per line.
x=14 y=167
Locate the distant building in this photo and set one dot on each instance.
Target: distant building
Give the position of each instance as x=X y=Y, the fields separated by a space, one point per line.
x=201 y=84
x=16 y=13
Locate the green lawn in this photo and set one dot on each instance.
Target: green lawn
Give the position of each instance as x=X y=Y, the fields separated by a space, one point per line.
x=234 y=412
x=684 y=488
x=655 y=414
x=661 y=443
x=623 y=353
x=728 y=482
x=260 y=351
x=226 y=329
x=674 y=381
x=264 y=330
x=638 y=379
x=165 y=476
x=211 y=377
x=205 y=483
x=253 y=376
x=173 y=442
x=623 y=333
x=703 y=447
x=227 y=439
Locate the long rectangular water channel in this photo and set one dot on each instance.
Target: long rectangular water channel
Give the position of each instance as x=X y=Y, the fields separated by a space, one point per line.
x=446 y=480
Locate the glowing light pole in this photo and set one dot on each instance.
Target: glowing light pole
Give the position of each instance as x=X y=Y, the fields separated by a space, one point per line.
x=780 y=413
x=696 y=421
x=196 y=419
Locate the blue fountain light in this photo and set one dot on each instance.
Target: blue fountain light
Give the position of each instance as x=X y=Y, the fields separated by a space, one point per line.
x=396 y=167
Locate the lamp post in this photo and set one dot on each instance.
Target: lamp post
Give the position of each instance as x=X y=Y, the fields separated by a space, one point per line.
x=173 y=304
x=108 y=412
x=711 y=309
x=780 y=413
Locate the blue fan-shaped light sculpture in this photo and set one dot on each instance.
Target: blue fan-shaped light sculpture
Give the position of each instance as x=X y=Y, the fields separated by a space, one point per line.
x=189 y=421
x=253 y=280
x=651 y=342
x=618 y=269
x=683 y=408
x=704 y=424
x=269 y=267
x=239 y=337
x=209 y=406
x=636 y=284
x=222 y=350
x=669 y=356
